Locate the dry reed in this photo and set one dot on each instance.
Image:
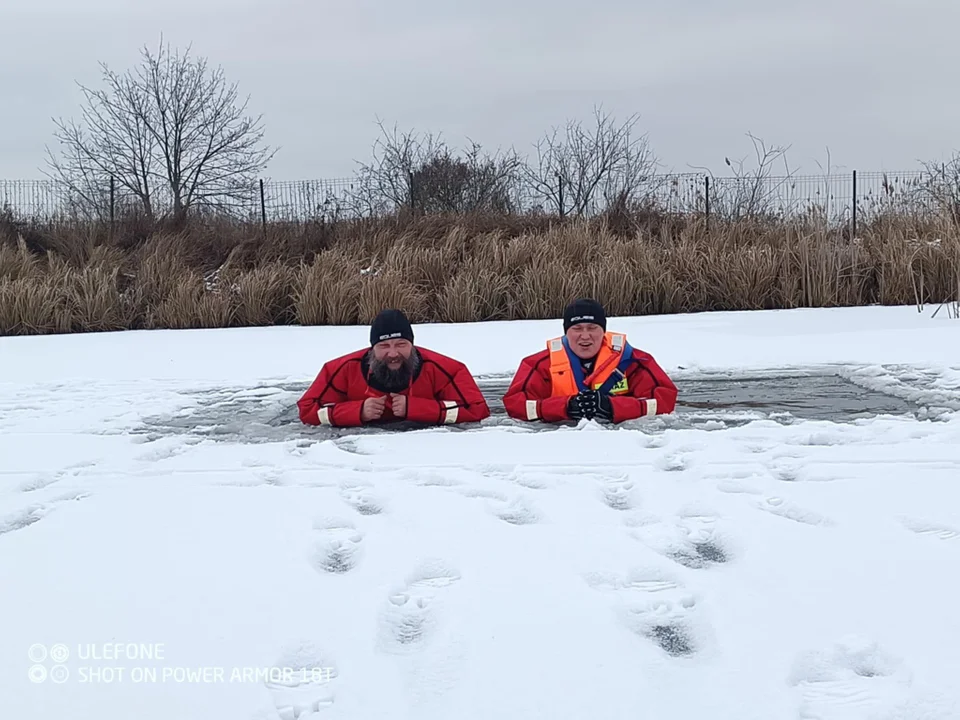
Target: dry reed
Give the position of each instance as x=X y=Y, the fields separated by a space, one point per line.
x=458 y=270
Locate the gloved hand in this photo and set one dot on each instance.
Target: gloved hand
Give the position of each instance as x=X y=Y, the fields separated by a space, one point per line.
x=583 y=405
x=604 y=407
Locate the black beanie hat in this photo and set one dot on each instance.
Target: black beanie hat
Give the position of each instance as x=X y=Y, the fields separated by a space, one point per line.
x=390 y=325
x=584 y=311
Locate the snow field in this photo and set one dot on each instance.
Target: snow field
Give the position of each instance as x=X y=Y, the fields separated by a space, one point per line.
x=758 y=571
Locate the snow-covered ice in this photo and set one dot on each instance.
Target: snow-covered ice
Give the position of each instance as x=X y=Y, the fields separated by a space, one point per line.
x=753 y=570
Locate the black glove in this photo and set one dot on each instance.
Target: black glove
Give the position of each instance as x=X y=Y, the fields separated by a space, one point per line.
x=583 y=405
x=604 y=407
x=573 y=408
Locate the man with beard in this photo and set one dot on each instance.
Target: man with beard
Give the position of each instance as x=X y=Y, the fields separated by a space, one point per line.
x=589 y=373
x=392 y=380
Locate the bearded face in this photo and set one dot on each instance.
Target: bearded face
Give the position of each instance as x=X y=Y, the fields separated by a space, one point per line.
x=392 y=372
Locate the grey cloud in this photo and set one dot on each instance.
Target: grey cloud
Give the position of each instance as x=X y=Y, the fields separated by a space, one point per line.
x=871 y=80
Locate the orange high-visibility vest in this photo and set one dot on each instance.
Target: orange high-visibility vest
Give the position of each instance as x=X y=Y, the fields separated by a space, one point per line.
x=562 y=380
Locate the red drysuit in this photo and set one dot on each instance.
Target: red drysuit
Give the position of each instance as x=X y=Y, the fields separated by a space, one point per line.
x=530 y=396
x=442 y=391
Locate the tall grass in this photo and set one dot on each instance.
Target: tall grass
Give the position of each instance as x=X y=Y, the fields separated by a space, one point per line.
x=219 y=274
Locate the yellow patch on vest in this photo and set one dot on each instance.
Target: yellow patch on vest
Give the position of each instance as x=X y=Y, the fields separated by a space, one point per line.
x=619 y=388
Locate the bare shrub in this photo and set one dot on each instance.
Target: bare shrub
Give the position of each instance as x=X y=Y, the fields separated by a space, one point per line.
x=424 y=175
x=171 y=134
x=590 y=170
x=752 y=193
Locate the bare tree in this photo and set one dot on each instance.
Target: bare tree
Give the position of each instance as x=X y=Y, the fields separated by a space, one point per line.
x=421 y=172
x=589 y=170
x=171 y=135
x=750 y=194
x=476 y=182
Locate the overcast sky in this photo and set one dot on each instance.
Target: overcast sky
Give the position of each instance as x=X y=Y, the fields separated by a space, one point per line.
x=873 y=80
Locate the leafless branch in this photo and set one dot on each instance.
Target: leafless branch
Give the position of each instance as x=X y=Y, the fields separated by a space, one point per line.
x=172 y=135
x=587 y=170
x=750 y=193
x=423 y=173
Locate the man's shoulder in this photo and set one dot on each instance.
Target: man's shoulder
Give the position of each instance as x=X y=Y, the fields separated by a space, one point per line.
x=640 y=355
x=352 y=357
x=537 y=358
x=438 y=358
x=641 y=358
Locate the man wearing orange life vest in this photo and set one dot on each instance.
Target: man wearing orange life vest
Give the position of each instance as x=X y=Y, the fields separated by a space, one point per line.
x=589 y=373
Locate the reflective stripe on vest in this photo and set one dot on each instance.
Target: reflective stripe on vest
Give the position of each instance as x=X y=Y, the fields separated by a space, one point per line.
x=565 y=377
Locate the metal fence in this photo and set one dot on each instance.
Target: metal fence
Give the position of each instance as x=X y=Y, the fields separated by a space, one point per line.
x=839 y=198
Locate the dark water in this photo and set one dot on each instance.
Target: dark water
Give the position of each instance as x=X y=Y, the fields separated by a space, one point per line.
x=268 y=413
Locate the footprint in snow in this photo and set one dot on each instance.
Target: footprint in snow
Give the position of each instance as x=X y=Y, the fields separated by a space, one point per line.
x=791 y=511
x=854 y=678
x=362 y=499
x=791 y=470
x=173 y=447
x=410 y=616
x=757 y=448
x=304 y=682
x=532 y=480
x=427 y=646
x=736 y=482
x=517 y=511
x=786 y=469
x=666 y=622
x=676 y=461
x=922 y=527
x=429 y=478
x=737 y=487
x=617 y=492
x=25 y=517
x=483 y=493
x=299 y=448
x=693 y=539
x=267 y=475
x=337 y=547
x=43 y=480
x=655 y=606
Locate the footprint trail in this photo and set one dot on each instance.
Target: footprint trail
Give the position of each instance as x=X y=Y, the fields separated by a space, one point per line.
x=693 y=539
x=655 y=606
x=338 y=546
x=305 y=683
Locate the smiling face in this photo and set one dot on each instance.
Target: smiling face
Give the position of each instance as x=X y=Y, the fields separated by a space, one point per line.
x=393 y=353
x=585 y=339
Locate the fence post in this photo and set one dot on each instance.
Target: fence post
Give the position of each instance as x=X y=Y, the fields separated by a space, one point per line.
x=560 y=193
x=113 y=204
x=263 y=208
x=706 y=200
x=413 y=194
x=853 y=234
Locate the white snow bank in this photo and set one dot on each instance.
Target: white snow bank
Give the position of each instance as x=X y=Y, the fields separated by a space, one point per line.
x=751 y=572
x=706 y=341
